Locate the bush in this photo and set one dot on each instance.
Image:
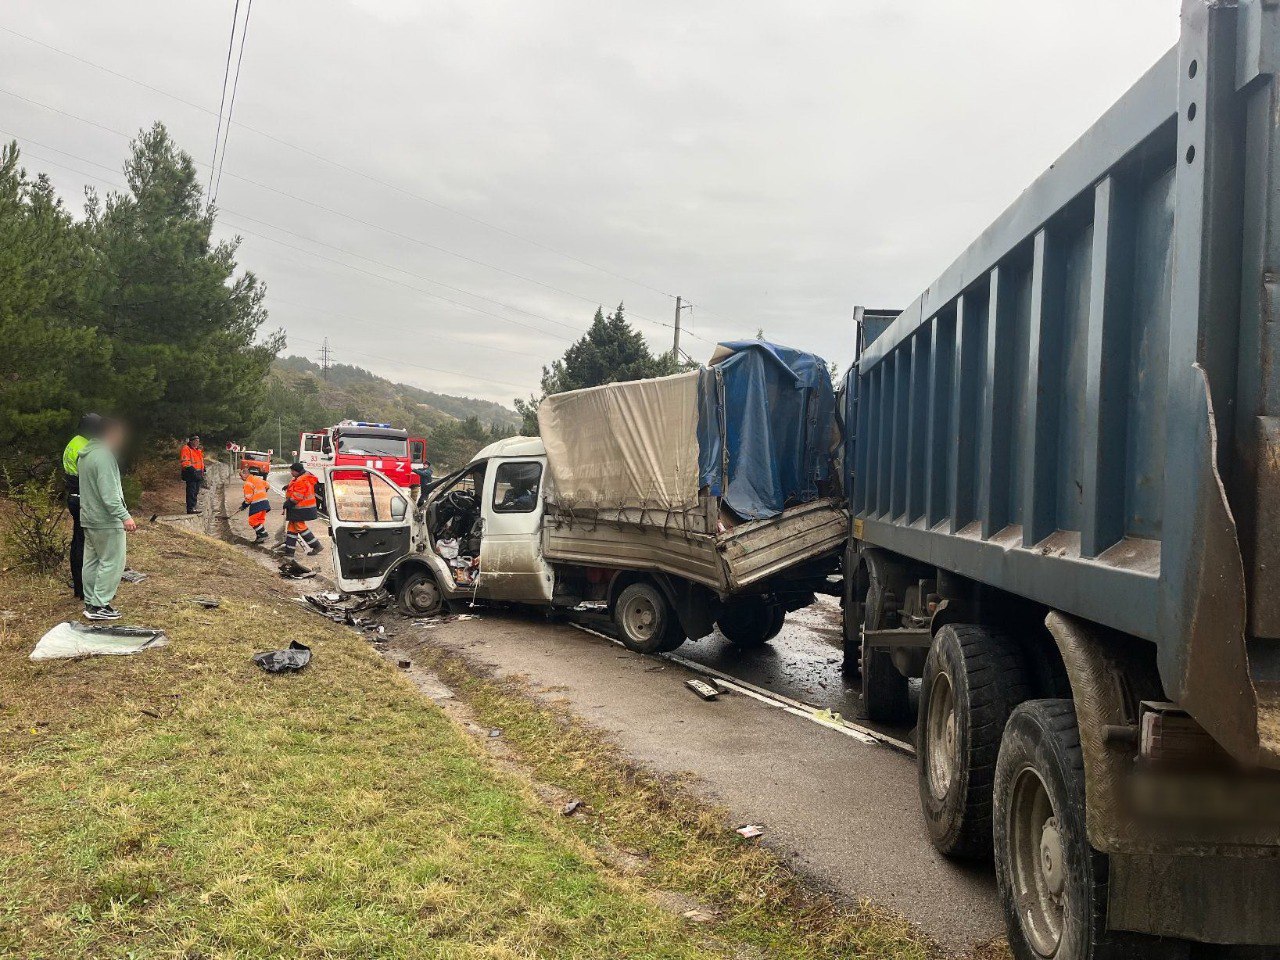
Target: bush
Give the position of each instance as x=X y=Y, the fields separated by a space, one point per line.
x=32 y=527
x=131 y=487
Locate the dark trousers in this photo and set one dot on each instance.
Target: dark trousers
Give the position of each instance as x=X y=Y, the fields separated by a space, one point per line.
x=194 y=479
x=77 y=546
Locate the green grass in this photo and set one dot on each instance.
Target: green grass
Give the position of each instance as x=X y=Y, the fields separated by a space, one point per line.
x=181 y=803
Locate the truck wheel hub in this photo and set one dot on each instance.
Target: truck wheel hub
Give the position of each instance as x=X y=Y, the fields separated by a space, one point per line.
x=1051 y=857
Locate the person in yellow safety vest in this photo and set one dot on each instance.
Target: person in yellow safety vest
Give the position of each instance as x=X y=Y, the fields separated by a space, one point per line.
x=255 y=501
x=192 y=459
x=299 y=507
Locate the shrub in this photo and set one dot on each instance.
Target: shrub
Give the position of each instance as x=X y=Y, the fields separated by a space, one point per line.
x=32 y=528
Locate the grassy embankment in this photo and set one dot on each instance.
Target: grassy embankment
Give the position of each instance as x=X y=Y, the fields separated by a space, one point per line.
x=180 y=803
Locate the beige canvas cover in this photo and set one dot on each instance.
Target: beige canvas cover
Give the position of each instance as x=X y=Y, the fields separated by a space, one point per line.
x=632 y=444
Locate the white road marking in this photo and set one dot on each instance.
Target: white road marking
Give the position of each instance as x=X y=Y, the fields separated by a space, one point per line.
x=823 y=718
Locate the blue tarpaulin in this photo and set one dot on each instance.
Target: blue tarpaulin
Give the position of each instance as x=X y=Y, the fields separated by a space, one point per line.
x=765 y=418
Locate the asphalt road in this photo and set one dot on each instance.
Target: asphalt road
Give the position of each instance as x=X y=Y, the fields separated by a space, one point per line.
x=843 y=811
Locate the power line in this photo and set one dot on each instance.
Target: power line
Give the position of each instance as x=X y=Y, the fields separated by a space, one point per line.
x=415 y=366
x=231 y=107
x=341 y=166
x=362 y=222
x=226 y=72
x=275 y=299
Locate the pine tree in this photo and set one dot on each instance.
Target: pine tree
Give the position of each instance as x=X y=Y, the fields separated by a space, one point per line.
x=184 y=323
x=55 y=365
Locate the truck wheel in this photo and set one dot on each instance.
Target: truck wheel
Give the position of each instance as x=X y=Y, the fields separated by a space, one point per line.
x=419 y=595
x=1053 y=884
x=751 y=623
x=885 y=695
x=973 y=678
x=646 y=622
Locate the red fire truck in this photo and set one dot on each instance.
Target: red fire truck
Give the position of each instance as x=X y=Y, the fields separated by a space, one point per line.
x=358 y=443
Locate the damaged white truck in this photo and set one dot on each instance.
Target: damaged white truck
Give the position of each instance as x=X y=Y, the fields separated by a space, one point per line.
x=678 y=504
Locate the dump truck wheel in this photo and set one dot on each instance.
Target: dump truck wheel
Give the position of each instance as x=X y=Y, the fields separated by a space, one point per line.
x=1053 y=884
x=419 y=595
x=973 y=679
x=751 y=623
x=885 y=695
x=646 y=622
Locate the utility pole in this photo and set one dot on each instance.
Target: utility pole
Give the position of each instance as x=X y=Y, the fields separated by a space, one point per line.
x=675 y=349
x=324 y=358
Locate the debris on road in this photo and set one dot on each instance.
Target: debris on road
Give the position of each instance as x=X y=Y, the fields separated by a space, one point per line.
x=404 y=664
x=133 y=576
x=703 y=689
x=570 y=808
x=432 y=622
x=495 y=733
x=750 y=831
x=69 y=640
x=297 y=656
x=209 y=603
x=291 y=569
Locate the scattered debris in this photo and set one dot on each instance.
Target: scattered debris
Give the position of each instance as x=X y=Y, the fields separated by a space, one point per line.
x=495 y=733
x=703 y=689
x=698 y=916
x=69 y=640
x=750 y=831
x=404 y=664
x=133 y=576
x=570 y=808
x=291 y=569
x=654 y=669
x=209 y=603
x=431 y=622
x=297 y=656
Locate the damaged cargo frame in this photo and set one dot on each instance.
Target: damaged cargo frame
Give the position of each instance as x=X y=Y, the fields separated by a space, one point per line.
x=1064 y=460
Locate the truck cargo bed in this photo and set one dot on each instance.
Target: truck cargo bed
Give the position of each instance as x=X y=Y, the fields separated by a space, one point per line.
x=726 y=562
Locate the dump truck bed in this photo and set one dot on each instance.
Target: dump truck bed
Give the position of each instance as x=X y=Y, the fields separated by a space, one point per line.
x=1084 y=410
x=691 y=545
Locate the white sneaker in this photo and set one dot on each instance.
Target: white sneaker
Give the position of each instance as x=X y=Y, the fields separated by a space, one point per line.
x=101 y=613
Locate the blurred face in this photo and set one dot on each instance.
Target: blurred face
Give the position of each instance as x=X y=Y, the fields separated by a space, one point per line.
x=113 y=435
x=244 y=473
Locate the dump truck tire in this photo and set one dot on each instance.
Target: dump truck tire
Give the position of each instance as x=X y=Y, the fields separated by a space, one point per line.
x=646 y=621
x=973 y=679
x=1053 y=884
x=885 y=693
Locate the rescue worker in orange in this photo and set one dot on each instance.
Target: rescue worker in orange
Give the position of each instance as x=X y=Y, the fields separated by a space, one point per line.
x=192 y=457
x=255 y=501
x=299 y=507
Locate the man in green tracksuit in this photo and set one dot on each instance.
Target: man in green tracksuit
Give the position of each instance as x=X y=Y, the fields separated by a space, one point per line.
x=105 y=519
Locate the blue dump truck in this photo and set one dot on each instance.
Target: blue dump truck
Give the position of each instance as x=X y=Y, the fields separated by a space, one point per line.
x=1063 y=463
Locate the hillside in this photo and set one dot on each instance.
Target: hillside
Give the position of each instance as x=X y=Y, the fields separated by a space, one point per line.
x=298 y=397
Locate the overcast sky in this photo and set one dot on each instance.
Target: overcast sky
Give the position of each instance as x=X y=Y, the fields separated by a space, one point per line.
x=773 y=163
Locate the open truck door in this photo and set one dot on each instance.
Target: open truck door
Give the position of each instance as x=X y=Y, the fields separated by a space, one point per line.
x=511 y=563
x=369 y=524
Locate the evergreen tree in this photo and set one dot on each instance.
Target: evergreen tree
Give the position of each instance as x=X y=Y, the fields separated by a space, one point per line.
x=55 y=365
x=184 y=324
x=611 y=351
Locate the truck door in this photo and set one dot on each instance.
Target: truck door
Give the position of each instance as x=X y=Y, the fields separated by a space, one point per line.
x=310 y=451
x=511 y=564
x=369 y=524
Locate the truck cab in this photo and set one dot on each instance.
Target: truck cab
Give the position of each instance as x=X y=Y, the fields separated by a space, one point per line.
x=359 y=443
x=478 y=535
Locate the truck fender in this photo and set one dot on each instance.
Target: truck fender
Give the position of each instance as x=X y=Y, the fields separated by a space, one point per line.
x=1110 y=673
x=695 y=605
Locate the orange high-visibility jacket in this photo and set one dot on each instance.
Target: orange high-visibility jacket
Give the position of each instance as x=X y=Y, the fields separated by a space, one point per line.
x=192 y=458
x=255 y=493
x=302 y=491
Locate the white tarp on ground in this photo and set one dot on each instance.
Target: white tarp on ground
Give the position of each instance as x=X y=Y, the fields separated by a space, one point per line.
x=68 y=640
x=632 y=444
